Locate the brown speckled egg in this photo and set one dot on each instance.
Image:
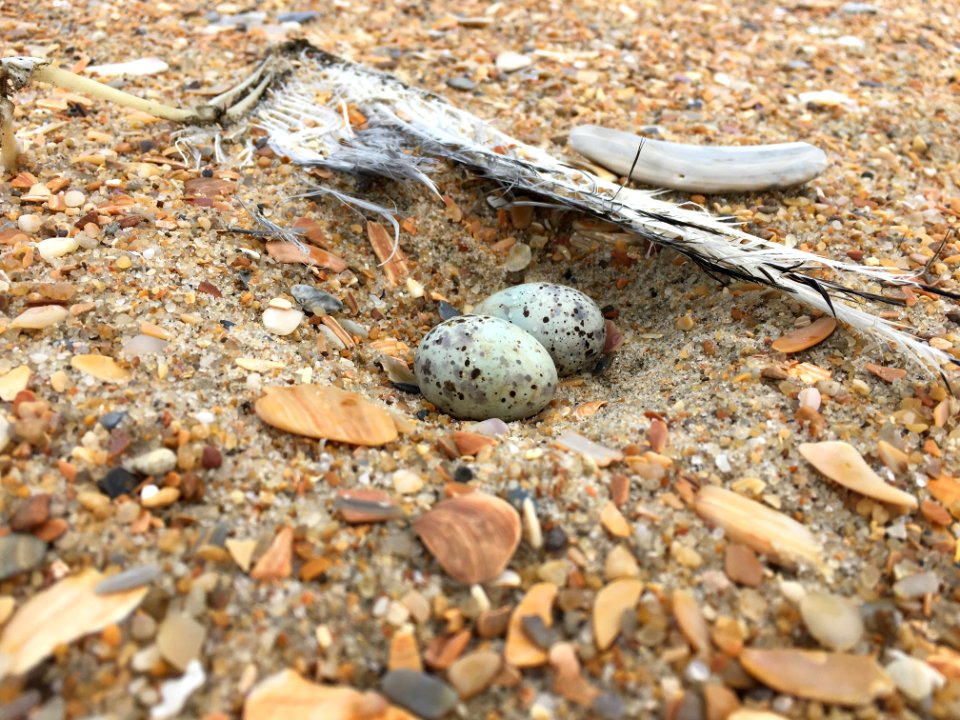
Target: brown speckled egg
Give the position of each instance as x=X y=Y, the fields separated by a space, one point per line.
x=567 y=323
x=477 y=367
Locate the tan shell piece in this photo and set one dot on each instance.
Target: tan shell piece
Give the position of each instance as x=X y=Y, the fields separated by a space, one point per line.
x=13 y=382
x=612 y=601
x=806 y=337
x=841 y=462
x=839 y=678
x=762 y=528
x=472 y=536
x=101 y=367
x=520 y=651
x=59 y=615
x=690 y=618
x=287 y=696
x=328 y=412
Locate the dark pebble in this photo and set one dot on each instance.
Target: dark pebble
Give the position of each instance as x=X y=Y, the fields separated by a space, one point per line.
x=609 y=707
x=407 y=388
x=461 y=83
x=555 y=539
x=117 y=482
x=421 y=694
x=446 y=310
x=211 y=458
x=112 y=419
x=462 y=474
x=315 y=301
x=537 y=631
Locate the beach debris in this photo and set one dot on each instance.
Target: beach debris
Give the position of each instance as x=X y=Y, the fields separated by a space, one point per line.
x=841 y=462
x=761 y=528
x=577 y=443
x=472 y=536
x=141 y=66
x=613 y=600
x=36 y=628
x=834 y=621
x=568 y=323
x=806 y=337
x=285 y=695
x=280 y=317
x=699 y=168
x=13 y=382
x=327 y=412
x=839 y=678
x=315 y=301
x=101 y=367
x=37 y=318
x=477 y=367
x=175 y=693
x=520 y=651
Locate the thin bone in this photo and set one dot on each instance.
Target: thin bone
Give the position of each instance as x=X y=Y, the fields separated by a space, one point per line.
x=700 y=168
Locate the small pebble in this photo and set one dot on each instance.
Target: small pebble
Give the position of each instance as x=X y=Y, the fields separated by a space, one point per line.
x=53 y=248
x=407 y=482
x=916 y=585
x=128 y=579
x=281 y=321
x=913 y=677
x=19 y=553
x=461 y=83
x=421 y=694
x=29 y=222
x=508 y=62
x=834 y=621
x=111 y=419
x=119 y=481
x=180 y=639
x=74 y=198
x=30 y=513
x=156 y=462
x=314 y=301
x=472 y=673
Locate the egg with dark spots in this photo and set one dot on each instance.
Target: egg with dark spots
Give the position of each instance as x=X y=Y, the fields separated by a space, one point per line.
x=477 y=367
x=567 y=323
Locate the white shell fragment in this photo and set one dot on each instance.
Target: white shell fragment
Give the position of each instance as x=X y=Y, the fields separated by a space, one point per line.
x=478 y=367
x=566 y=322
x=143 y=66
x=281 y=320
x=697 y=168
x=56 y=247
x=841 y=462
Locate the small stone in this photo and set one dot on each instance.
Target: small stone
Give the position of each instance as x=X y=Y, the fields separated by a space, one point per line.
x=74 y=198
x=143 y=345
x=538 y=632
x=614 y=522
x=421 y=694
x=241 y=551
x=611 y=603
x=180 y=639
x=30 y=513
x=493 y=623
x=407 y=482
x=29 y=222
x=277 y=562
x=163 y=497
x=609 y=706
x=834 y=621
x=281 y=321
x=461 y=83
x=314 y=301
x=508 y=62
x=210 y=458
x=916 y=585
x=156 y=463
x=56 y=247
x=913 y=677
x=37 y=318
x=19 y=553
x=620 y=563
x=474 y=672
x=363 y=505
x=693 y=626
x=119 y=481
x=742 y=566
x=128 y=579
x=112 y=419
x=403 y=652
x=100 y=367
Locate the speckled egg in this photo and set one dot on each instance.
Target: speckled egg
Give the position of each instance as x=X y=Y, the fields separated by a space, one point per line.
x=565 y=321
x=477 y=367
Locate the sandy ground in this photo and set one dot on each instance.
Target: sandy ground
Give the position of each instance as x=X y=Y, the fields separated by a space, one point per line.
x=333 y=597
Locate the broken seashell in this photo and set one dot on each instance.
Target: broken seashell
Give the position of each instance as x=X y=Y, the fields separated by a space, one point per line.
x=36 y=629
x=839 y=678
x=767 y=531
x=690 y=619
x=520 y=651
x=473 y=536
x=56 y=247
x=840 y=462
x=37 y=318
x=696 y=168
x=141 y=66
x=101 y=367
x=327 y=412
x=612 y=602
x=13 y=382
x=806 y=337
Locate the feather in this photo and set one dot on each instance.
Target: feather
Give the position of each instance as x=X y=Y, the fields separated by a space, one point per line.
x=407 y=129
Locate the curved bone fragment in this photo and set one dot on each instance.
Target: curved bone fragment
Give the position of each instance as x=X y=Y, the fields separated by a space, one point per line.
x=699 y=168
